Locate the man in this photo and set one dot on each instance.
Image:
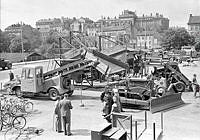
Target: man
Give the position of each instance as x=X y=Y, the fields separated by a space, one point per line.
x=58 y=115
x=11 y=75
x=65 y=108
x=195 y=85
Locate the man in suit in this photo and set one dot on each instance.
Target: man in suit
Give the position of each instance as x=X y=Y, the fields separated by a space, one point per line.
x=65 y=108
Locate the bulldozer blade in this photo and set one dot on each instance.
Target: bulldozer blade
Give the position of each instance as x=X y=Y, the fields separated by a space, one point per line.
x=165 y=103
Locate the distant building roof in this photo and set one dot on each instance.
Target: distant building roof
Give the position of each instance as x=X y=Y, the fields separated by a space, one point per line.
x=194 y=19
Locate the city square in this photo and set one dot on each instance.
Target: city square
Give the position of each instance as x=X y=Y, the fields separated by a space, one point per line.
x=100 y=70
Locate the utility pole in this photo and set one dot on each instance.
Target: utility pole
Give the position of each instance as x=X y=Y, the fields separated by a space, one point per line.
x=22 y=42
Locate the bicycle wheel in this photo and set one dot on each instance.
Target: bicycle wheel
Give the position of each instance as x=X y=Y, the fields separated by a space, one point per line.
x=28 y=107
x=19 y=122
x=15 y=109
x=6 y=119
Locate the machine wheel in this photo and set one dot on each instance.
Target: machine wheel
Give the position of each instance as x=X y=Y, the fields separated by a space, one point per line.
x=180 y=87
x=53 y=94
x=9 y=66
x=18 y=92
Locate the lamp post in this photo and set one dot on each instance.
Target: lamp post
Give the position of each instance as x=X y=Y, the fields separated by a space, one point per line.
x=22 y=43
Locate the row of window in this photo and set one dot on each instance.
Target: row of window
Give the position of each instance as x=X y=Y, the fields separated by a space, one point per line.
x=193 y=27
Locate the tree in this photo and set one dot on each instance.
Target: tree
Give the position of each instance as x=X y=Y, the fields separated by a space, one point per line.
x=175 y=38
x=31 y=39
x=4 y=42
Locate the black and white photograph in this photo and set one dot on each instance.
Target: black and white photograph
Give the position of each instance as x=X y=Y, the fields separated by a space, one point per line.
x=100 y=69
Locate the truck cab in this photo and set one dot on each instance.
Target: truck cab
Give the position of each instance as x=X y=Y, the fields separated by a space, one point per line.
x=32 y=79
x=34 y=82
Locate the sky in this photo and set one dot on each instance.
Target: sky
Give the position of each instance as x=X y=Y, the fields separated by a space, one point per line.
x=29 y=11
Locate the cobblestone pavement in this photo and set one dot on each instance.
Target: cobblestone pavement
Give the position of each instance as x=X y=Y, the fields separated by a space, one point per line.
x=179 y=124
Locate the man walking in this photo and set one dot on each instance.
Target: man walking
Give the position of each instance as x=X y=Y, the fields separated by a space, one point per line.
x=65 y=108
x=57 y=112
x=195 y=85
x=11 y=75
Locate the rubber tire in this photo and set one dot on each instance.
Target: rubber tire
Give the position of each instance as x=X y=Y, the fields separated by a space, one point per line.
x=9 y=66
x=53 y=94
x=180 y=87
x=21 y=120
x=28 y=107
x=5 y=118
x=18 y=92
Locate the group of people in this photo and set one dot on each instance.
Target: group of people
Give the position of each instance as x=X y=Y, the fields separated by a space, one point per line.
x=111 y=103
x=63 y=115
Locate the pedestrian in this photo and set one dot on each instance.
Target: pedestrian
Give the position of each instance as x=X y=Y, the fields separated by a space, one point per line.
x=107 y=106
x=57 y=112
x=11 y=75
x=65 y=108
x=195 y=85
x=116 y=99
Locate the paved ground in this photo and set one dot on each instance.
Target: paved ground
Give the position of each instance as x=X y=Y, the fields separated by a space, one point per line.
x=179 y=124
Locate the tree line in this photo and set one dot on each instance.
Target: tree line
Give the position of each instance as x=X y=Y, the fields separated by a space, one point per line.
x=173 y=38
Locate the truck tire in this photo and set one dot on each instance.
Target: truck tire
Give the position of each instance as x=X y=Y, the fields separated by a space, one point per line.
x=180 y=87
x=9 y=66
x=53 y=94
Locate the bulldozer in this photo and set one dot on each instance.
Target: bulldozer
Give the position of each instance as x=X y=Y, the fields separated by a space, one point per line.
x=161 y=90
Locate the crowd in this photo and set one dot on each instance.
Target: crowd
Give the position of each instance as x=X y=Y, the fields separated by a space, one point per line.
x=111 y=102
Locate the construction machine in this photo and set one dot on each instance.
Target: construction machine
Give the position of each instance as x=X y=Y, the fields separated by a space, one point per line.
x=160 y=91
x=54 y=83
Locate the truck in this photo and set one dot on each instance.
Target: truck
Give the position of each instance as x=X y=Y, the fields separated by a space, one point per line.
x=53 y=83
x=5 y=63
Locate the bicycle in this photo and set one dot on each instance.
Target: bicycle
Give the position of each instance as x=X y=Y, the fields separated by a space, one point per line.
x=11 y=121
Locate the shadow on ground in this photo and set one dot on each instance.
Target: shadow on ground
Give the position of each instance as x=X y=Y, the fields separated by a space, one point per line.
x=82 y=132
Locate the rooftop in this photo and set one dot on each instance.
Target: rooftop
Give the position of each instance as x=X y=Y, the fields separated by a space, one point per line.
x=194 y=19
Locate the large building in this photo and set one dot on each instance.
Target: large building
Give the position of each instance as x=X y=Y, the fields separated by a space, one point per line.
x=194 y=24
x=14 y=29
x=137 y=32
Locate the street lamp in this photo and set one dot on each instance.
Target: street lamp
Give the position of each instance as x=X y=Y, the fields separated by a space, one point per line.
x=22 y=43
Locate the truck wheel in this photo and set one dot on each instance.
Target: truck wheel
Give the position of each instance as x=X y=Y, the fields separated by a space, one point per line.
x=9 y=66
x=180 y=87
x=53 y=94
x=18 y=92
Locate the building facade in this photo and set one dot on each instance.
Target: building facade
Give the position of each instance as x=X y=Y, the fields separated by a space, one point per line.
x=194 y=24
x=14 y=29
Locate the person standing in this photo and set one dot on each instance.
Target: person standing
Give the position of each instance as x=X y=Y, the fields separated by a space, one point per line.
x=116 y=100
x=65 y=108
x=57 y=112
x=107 y=101
x=11 y=75
x=195 y=85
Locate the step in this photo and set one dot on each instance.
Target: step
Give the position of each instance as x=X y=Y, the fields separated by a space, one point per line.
x=148 y=134
x=119 y=135
x=110 y=132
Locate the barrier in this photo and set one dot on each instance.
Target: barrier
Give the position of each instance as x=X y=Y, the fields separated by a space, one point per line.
x=165 y=102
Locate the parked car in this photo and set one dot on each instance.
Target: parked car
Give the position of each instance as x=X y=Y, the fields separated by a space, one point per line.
x=5 y=64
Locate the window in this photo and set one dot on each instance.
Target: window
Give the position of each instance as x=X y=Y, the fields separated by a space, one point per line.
x=39 y=73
